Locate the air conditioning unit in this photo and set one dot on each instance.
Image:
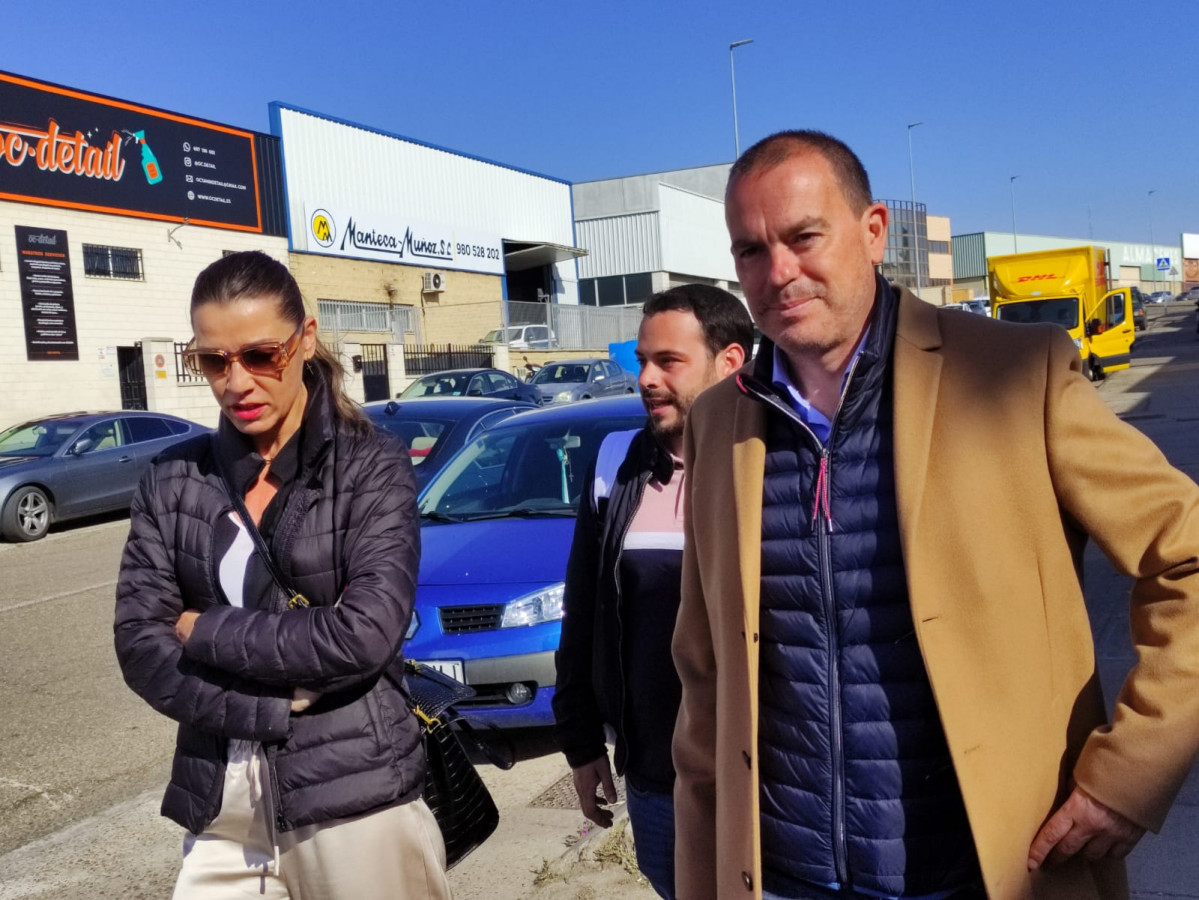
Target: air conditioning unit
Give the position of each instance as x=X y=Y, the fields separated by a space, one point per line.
x=434 y=282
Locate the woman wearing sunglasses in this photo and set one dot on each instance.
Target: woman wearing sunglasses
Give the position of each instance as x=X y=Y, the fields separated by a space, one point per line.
x=298 y=767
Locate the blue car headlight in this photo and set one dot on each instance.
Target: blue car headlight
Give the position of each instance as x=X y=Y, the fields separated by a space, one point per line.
x=537 y=608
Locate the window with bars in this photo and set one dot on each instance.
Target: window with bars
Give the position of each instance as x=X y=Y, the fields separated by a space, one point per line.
x=112 y=262
x=350 y=315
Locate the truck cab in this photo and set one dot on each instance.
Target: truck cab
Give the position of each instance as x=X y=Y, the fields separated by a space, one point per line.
x=1068 y=288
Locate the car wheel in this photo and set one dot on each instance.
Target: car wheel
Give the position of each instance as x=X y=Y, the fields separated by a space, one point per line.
x=629 y=391
x=26 y=515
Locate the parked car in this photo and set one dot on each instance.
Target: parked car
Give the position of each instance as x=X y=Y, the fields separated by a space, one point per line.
x=522 y=337
x=496 y=528
x=1139 y=322
x=78 y=464
x=582 y=379
x=435 y=428
x=1160 y=297
x=978 y=307
x=472 y=383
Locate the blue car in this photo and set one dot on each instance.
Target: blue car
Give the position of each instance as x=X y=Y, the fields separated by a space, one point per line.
x=496 y=528
x=435 y=428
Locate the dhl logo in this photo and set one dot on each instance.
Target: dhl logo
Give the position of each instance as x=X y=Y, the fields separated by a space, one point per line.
x=1046 y=276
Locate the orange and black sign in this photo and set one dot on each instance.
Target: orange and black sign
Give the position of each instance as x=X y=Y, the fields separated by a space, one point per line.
x=61 y=147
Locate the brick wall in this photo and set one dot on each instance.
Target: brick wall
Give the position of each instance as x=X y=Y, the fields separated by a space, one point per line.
x=467 y=309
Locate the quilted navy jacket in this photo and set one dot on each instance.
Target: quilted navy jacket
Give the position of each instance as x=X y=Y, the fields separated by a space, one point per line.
x=858 y=786
x=348 y=539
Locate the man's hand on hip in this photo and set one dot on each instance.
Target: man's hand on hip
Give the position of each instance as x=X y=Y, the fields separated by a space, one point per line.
x=595 y=774
x=1083 y=825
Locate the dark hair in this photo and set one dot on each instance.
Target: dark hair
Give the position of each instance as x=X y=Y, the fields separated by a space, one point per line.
x=778 y=148
x=253 y=274
x=723 y=317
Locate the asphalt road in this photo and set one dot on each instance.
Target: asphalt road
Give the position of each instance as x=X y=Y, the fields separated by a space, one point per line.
x=83 y=760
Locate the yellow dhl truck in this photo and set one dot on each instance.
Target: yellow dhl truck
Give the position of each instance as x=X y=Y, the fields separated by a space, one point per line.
x=1067 y=287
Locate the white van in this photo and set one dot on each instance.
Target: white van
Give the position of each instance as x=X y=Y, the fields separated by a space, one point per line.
x=522 y=337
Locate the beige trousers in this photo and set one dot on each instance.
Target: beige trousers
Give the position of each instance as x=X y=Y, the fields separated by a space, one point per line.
x=392 y=854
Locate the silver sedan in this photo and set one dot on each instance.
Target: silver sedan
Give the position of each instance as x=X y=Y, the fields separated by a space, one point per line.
x=78 y=464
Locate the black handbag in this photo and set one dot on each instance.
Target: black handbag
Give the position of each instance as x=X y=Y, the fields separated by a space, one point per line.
x=464 y=809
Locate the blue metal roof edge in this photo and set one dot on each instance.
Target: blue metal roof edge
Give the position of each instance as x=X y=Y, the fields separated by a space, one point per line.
x=277 y=130
x=279 y=105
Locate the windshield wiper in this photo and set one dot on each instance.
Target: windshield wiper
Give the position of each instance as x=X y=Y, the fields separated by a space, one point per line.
x=519 y=512
x=440 y=517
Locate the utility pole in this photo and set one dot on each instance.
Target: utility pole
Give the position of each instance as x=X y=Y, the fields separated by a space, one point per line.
x=1152 y=249
x=915 y=218
x=733 y=78
x=1015 y=241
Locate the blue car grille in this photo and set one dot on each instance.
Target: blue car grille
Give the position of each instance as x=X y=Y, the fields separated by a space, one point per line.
x=465 y=619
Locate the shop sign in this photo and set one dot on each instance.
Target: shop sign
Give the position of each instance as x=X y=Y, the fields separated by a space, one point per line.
x=47 y=299
x=61 y=147
x=340 y=232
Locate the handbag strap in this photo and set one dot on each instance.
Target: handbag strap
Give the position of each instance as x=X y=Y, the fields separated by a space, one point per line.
x=505 y=761
x=296 y=600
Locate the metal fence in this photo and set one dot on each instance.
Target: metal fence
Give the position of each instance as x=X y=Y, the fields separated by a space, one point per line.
x=423 y=359
x=579 y=327
x=339 y=316
x=183 y=375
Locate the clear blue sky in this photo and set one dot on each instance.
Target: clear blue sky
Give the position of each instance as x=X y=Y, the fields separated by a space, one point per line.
x=1088 y=102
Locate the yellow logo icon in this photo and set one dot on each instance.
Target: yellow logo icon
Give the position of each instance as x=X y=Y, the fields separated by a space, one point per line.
x=323 y=229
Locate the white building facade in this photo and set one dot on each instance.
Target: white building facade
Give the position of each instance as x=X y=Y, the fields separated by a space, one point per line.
x=400 y=243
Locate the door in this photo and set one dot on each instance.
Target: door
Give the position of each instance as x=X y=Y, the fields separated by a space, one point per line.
x=375 y=383
x=102 y=477
x=1111 y=330
x=133 y=377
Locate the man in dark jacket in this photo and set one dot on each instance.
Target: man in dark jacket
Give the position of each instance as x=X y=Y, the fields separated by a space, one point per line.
x=622 y=582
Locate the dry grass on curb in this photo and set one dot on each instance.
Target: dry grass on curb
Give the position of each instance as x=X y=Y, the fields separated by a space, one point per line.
x=592 y=853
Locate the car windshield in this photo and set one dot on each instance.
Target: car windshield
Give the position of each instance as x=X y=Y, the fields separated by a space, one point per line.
x=37 y=438
x=534 y=470
x=444 y=384
x=1058 y=310
x=496 y=335
x=561 y=373
x=421 y=434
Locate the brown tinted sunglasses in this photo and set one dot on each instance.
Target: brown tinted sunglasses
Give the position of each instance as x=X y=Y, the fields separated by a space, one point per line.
x=267 y=358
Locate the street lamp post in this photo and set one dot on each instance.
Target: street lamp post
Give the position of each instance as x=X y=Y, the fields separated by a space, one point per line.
x=915 y=220
x=733 y=78
x=1152 y=251
x=1015 y=241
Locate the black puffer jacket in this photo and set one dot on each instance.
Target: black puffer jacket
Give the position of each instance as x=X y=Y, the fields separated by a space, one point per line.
x=591 y=689
x=348 y=539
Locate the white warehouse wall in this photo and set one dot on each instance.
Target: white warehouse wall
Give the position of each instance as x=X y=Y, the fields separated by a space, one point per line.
x=695 y=240
x=619 y=245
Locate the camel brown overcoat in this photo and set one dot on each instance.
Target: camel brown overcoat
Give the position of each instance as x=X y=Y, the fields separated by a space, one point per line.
x=1006 y=459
